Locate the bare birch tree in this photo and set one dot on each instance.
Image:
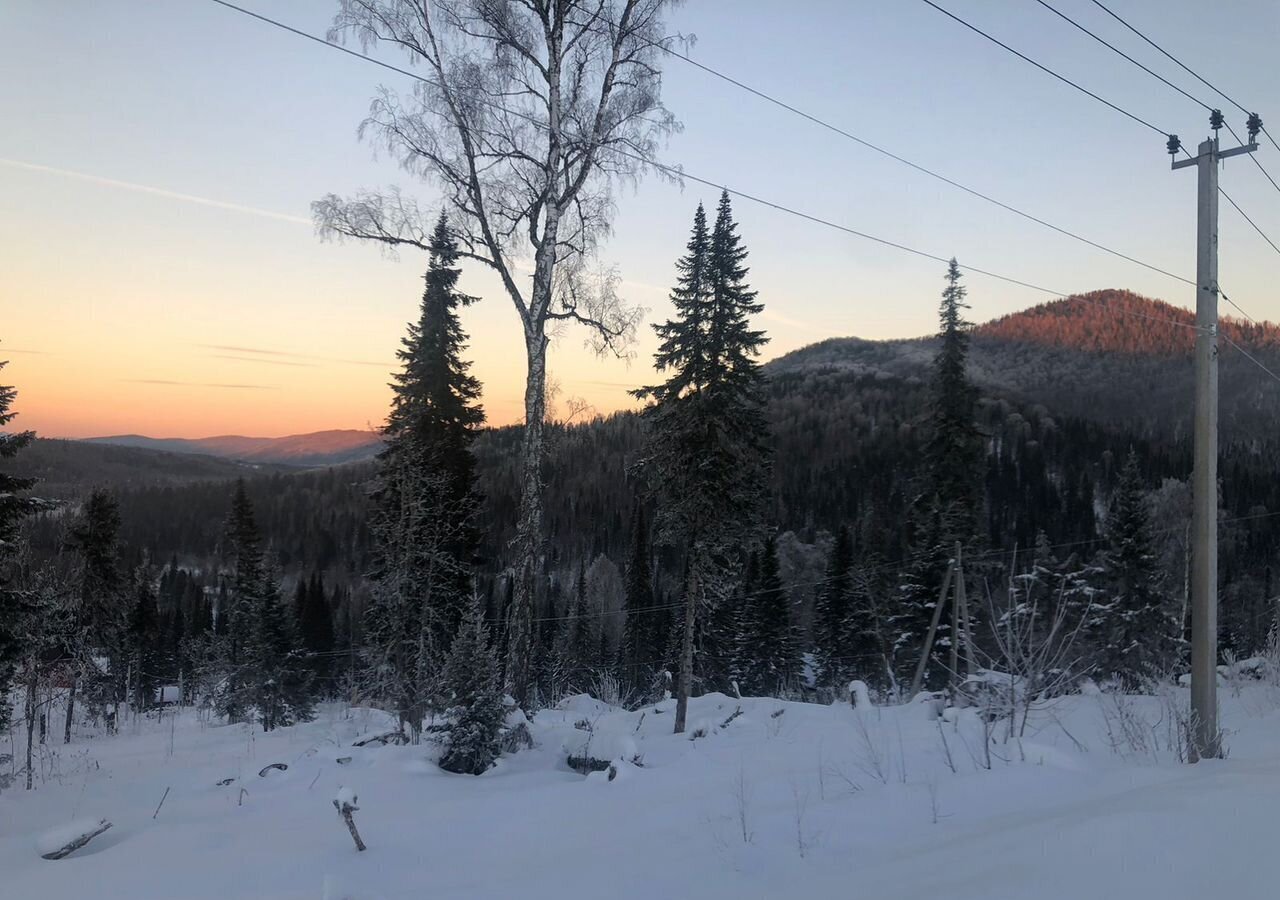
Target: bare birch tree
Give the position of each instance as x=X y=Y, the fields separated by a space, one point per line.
x=525 y=116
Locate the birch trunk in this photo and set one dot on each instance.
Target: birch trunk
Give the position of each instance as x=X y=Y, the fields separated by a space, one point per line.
x=529 y=532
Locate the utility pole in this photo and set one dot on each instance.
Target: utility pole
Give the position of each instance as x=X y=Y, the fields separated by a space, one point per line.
x=1204 y=739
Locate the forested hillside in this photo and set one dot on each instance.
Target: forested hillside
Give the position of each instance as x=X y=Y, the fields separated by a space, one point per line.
x=1109 y=356
x=847 y=418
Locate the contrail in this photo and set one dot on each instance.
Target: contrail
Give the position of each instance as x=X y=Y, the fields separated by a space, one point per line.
x=158 y=192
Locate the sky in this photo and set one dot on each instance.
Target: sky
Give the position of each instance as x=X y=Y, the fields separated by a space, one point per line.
x=159 y=272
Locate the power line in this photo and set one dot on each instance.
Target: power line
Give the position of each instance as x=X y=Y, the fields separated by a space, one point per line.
x=1187 y=69
x=1245 y=353
x=782 y=104
x=1175 y=60
x=1117 y=50
x=1043 y=68
x=1249 y=220
x=680 y=172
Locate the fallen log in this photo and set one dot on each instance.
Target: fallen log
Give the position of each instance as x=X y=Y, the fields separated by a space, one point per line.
x=64 y=842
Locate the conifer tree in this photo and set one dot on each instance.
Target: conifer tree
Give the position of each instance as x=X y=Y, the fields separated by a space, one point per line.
x=473 y=697
x=1141 y=632
x=644 y=633
x=707 y=460
x=100 y=616
x=279 y=681
x=771 y=658
x=262 y=668
x=426 y=499
x=579 y=646
x=315 y=625
x=15 y=604
x=832 y=613
x=946 y=510
x=241 y=596
x=144 y=639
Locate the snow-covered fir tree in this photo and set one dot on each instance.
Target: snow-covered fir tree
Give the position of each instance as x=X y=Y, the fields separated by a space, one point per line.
x=707 y=456
x=260 y=666
x=14 y=508
x=472 y=697
x=1141 y=635
x=98 y=627
x=946 y=508
x=425 y=500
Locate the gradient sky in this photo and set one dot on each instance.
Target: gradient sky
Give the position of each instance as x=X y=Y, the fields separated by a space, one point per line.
x=159 y=272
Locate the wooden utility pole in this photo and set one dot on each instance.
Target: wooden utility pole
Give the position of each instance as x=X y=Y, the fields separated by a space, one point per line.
x=933 y=630
x=1203 y=740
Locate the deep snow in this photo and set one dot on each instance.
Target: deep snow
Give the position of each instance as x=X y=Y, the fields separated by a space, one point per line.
x=785 y=800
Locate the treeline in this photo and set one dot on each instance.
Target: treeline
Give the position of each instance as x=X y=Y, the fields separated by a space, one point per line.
x=749 y=532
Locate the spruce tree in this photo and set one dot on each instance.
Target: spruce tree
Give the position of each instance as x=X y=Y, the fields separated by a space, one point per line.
x=263 y=670
x=315 y=626
x=144 y=644
x=1141 y=629
x=946 y=509
x=579 y=646
x=279 y=681
x=707 y=459
x=424 y=521
x=832 y=613
x=99 y=620
x=771 y=659
x=473 y=697
x=644 y=634
x=240 y=598
x=15 y=603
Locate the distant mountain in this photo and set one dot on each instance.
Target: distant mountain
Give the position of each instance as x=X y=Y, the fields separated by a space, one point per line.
x=320 y=448
x=1109 y=356
x=68 y=468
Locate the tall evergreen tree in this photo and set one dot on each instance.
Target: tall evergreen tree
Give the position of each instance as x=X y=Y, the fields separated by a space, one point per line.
x=263 y=668
x=707 y=457
x=241 y=595
x=473 y=697
x=1141 y=629
x=946 y=509
x=98 y=624
x=15 y=603
x=424 y=522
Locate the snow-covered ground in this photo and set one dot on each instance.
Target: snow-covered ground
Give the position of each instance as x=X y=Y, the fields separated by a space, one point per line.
x=781 y=800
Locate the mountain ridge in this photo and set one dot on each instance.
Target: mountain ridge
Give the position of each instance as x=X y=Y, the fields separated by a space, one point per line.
x=311 y=449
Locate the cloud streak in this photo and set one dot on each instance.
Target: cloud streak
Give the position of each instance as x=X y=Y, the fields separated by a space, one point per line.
x=261 y=351
x=263 y=362
x=155 y=191
x=200 y=384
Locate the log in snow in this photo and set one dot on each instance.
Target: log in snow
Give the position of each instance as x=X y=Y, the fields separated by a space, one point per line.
x=266 y=769
x=68 y=839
